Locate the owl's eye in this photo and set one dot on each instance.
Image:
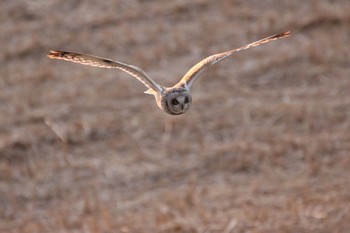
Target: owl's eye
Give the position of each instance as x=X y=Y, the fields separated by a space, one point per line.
x=186 y=100
x=175 y=102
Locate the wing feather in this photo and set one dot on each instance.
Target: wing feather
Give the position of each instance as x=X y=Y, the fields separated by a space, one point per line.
x=191 y=76
x=91 y=60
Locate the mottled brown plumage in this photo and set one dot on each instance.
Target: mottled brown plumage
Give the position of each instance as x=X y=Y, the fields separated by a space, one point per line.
x=174 y=100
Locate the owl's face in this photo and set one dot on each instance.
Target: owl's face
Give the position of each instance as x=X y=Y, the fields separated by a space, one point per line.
x=177 y=101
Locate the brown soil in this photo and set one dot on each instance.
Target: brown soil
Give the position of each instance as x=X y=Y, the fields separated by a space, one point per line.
x=265 y=146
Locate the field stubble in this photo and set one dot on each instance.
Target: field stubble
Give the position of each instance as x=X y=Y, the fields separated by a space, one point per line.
x=264 y=148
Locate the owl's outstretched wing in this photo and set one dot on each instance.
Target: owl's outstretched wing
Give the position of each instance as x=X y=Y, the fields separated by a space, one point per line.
x=192 y=75
x=91 y=60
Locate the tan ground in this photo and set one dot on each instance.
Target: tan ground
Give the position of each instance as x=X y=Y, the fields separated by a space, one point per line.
x=265 y=146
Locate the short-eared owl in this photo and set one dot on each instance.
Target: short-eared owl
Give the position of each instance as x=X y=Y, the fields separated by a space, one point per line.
x=174 y=100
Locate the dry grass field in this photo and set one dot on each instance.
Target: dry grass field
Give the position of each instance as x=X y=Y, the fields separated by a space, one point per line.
x=265 y=147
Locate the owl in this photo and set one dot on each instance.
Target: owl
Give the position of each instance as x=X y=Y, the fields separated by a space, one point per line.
x=175 y=100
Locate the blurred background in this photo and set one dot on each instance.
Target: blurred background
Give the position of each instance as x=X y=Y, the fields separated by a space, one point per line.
x=265 y=146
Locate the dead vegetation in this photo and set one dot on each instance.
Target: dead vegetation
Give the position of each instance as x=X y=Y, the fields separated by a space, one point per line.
x=264 y=148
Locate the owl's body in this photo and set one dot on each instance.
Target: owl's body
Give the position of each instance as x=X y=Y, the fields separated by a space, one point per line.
x=174 y=100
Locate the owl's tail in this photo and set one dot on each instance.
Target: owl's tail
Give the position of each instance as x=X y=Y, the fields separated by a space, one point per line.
x=150 y=92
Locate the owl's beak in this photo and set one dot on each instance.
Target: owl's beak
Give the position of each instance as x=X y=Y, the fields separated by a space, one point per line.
x=182 y=106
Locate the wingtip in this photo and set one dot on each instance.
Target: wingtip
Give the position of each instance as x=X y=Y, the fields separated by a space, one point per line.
x=55 y=54
x=284 y=34
x=287 y=33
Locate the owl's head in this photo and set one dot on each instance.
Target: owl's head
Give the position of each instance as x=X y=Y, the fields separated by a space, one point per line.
x=176 y=101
